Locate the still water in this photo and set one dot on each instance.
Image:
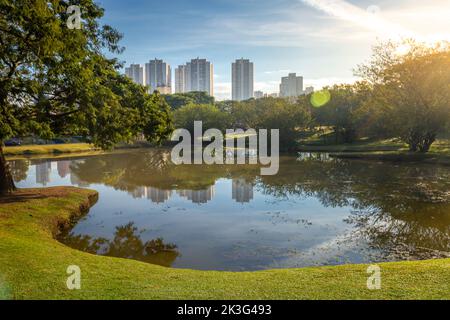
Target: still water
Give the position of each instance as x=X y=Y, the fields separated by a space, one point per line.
x=315 y=211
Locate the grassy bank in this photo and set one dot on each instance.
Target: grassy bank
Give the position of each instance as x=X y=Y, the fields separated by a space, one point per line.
x=48 y=149
x=33 y=265
x=383 y=150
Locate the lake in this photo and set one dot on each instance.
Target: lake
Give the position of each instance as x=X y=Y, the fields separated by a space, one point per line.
x=316 y=211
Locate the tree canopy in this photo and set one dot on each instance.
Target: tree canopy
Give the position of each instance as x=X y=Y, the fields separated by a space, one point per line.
x=411 y=89
x=56 y=80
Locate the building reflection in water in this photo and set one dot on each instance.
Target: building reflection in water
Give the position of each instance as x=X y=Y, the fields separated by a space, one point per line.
x=242 y=191
x=43 y=171
x=63 y=168
x=154 y=194
x=198 y=196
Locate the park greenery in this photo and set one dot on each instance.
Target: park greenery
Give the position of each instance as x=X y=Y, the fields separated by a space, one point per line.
x=58 y=81
x=400 y=95
x=55 y=80
x=34 y=265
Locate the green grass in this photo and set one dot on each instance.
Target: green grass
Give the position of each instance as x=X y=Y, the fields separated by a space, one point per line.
x=389 y=148
x=33 y=266
x=48 y=149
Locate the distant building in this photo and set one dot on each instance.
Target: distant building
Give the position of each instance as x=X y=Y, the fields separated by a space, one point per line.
x=63 y=168
x=136 y=73
x=180 y=79
x=242 y=191
x=242 y=80
x=291 y=86
x=43 y=171
x=158 y=76
x=198 y=76
x=309 y=90
x=198 y=196
x=259 y=94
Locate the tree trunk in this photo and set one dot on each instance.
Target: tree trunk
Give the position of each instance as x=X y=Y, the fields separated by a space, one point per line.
x=6 y=180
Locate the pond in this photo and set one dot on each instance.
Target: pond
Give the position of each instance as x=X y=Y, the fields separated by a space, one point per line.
x=315 y=211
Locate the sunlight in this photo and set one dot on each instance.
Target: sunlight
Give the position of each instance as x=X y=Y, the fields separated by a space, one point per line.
x=373 y=19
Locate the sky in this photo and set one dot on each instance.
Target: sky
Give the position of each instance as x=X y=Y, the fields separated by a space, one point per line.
x=321 y=40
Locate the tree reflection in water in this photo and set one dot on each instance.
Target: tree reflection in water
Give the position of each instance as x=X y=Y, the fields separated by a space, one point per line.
x=400 y=210
x=128 y=244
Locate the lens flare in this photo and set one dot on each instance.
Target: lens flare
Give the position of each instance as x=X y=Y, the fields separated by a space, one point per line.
x=320 y=98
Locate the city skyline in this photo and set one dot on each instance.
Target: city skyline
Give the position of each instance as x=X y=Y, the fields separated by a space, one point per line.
x=197 y=75
x=323 y=44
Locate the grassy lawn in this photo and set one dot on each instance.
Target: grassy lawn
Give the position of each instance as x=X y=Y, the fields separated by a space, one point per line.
x=48 y=149
x=33 y=265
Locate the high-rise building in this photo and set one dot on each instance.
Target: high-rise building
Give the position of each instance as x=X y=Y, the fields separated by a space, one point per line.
x=136 y=73
x=158 y=76
x=309 y=90
x=259 y=94
x=180 y=79
x=291 y=86
x=242 y=191
x=198 y=76
x=242 y=79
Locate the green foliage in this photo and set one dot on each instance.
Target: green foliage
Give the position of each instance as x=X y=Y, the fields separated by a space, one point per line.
x=271 y=113
x=411 y=91
x=341 y=110
x=275 y=113
x=56 y=80
x=211 y=116
x=179 y=100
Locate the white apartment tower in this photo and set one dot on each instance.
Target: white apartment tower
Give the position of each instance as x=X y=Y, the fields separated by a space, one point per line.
x=136 y=73
x=291 y=86
x=180 y=79
x=242 y=80
x=198 y=76
x=158 y=76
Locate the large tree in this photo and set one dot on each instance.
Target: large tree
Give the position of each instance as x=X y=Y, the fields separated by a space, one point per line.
x=411 y=85
x=56 y=80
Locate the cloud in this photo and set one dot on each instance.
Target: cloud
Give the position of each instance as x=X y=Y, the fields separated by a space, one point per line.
x=278 y=71
x=363 y=18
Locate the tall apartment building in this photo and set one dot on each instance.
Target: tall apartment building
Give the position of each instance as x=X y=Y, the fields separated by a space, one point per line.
x=136 y=73
x=180 y=79
x=198 y=76
x=291 y=86
x=259 y=94
x=242 y=79
x=158 y=76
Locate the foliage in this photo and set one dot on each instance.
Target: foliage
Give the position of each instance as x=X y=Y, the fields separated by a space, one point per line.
x=179 y=100
x=412 y=90
x=210 y=115
x=340 y=112
x=55 y=80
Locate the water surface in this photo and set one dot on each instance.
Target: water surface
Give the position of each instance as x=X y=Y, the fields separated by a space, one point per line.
x=316 y=211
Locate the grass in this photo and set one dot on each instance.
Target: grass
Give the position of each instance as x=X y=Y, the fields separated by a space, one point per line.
x=33 y=265
x=48 y=149
x=381 y=150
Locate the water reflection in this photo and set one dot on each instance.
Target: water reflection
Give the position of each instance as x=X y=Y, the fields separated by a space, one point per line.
x=127 y=243
x=315 y=211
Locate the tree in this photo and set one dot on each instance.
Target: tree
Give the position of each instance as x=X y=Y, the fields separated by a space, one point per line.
x=56 y=80
x=273 y=113
x=342 y=109
x=179 y=100
x=210 y=115
x=412 y=88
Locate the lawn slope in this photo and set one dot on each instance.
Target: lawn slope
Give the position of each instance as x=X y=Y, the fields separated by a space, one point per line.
x=33 y=265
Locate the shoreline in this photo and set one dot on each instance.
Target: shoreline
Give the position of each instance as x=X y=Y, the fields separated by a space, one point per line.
x=34 y=259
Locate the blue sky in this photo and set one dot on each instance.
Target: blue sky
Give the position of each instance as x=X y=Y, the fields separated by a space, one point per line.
x=322 y=40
